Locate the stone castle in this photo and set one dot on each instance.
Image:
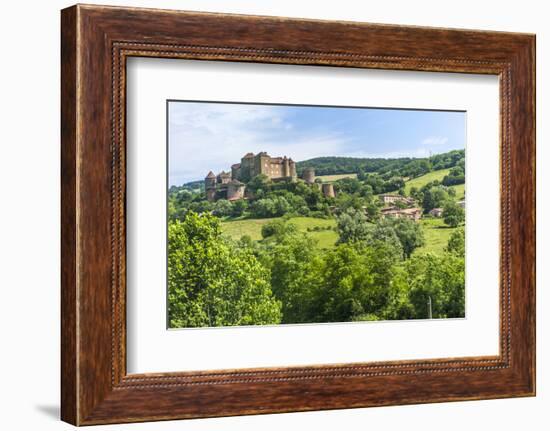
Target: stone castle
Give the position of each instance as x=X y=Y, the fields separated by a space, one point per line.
x=275 y=168
x=231 y=185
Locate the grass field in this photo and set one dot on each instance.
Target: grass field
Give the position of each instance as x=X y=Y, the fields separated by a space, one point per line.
x=436 y=234
x=332 y=178
x=459 y=191
x=424 y=179
x=253 y=228
x=432 y=176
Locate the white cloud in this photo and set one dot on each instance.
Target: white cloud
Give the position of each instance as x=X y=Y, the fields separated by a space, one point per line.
x=434 y=141
x=417 y=153
x=206 y=137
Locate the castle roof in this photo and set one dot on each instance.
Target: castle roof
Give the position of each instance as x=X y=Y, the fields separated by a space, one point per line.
x=236 y=166
x=248 y=155
x=211 y=175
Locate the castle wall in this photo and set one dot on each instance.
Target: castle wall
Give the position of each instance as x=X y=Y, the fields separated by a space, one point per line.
x=211 y=195
x=235 y=191
x=235 y=172
x=247 y=168
x=275 y=170
x=251 y=165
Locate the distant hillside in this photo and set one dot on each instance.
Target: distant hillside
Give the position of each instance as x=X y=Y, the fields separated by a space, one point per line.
x=438 y=175
x=404 y=166
x=192 y=186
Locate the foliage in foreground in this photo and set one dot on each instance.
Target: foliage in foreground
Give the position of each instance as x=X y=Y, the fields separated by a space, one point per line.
x=284 y=278
x=213 y=283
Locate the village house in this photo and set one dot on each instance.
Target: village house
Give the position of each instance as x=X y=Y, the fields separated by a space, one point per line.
x=388 y=199
x=408 y=213
x=436 y=212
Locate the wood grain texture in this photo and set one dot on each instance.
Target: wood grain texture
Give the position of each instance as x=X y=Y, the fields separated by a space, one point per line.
x=96 y=41
x=69 y=397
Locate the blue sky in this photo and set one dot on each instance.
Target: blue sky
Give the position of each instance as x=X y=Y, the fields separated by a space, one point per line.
x=204 y=136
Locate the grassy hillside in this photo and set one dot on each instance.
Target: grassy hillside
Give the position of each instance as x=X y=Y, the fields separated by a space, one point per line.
x=433 y=176
x=424 y=179
x=459 y=191
x=336 y=177
x=436 y=234
x=253 y=228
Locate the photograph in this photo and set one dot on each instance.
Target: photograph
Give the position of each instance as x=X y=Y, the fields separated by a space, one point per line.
x=299 y=214
x=278 y=210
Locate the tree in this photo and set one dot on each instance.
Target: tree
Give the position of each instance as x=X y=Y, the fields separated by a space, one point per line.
x=259 y=182
x=223 y=208
x=215 y=282
x=278 y=228
x=455 y=176
x=344 y=201
x=293 y=262
x=263 y=208
x=453 y=214
x=410 y=234
x=354 y=282
x=439 y=280
x=352 y=226
x=456 y=243
x=434 y=197
x=239 y=207
x=383 y=231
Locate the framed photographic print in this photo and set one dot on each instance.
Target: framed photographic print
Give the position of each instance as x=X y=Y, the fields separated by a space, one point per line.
x=267 y=215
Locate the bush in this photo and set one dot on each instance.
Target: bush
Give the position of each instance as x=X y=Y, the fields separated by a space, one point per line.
x=453 y=214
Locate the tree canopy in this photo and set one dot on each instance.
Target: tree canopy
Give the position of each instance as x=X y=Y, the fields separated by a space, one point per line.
x=212 y=282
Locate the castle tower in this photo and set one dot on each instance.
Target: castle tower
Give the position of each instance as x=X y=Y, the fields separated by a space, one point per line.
x=286 y=168
x=223 y=177
x=263 y=163
x=236 y=171
x=210 y=180
x=309 y=175
x=328 y=190
x=247 y=167
x=292 y=167
x=210 y=186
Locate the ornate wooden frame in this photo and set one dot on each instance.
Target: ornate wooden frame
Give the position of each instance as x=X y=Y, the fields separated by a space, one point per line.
x=95 y=42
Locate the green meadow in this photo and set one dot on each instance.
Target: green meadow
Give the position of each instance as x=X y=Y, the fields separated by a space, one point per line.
x=419 y=182
x=325 y=236
x=333 y=178
x=436 y=234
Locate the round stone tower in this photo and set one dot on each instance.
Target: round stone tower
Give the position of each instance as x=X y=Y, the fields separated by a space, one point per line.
x=210 y=186
x=210 y=180
x=328 y=190
x=309 y=175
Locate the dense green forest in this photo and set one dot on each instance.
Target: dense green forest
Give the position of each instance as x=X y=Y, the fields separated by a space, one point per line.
x=350 y=263
x=405 y=166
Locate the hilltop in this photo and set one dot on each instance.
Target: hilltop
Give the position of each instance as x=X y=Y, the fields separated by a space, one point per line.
x=403 y=166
